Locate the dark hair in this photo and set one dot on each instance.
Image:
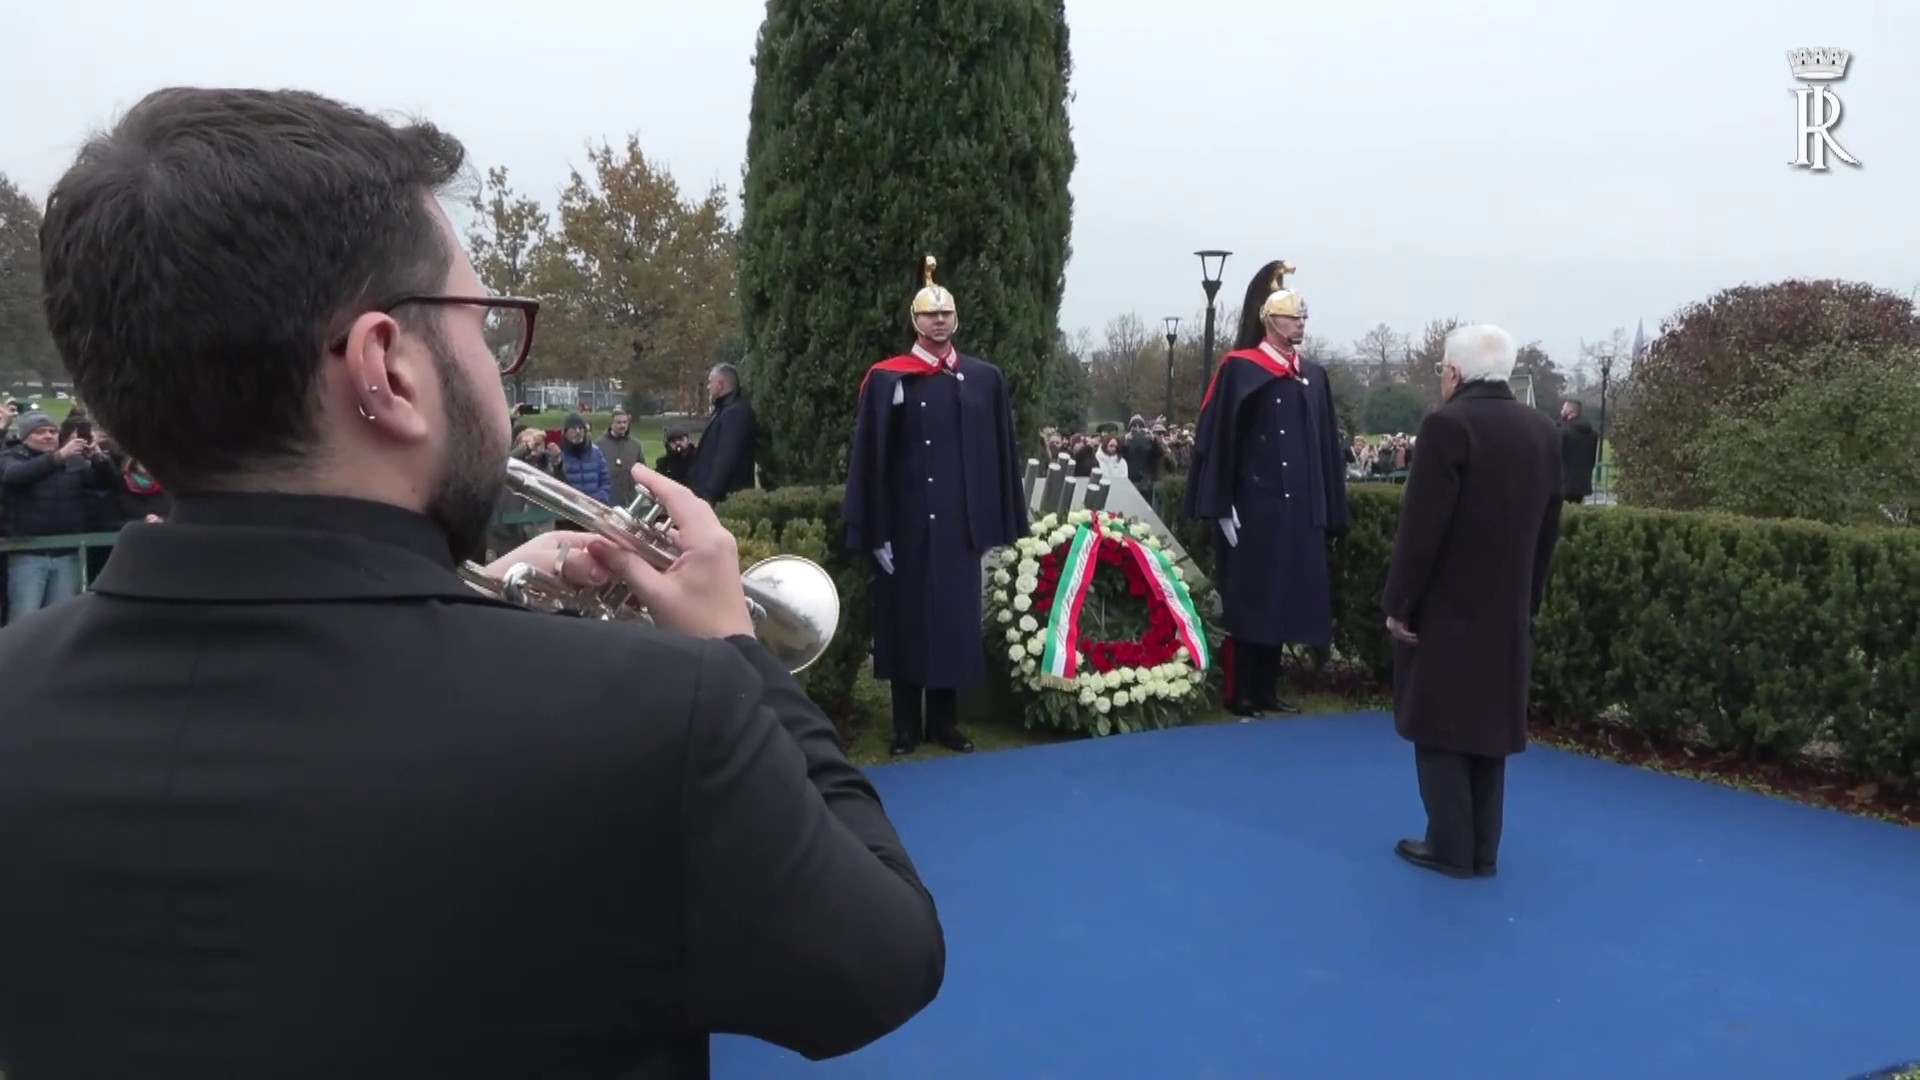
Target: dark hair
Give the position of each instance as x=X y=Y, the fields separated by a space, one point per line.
x=199 y=258
x=1252 y=330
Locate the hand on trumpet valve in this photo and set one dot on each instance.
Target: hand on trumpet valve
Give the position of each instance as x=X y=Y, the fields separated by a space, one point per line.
x=700 y=594
x=561 y=553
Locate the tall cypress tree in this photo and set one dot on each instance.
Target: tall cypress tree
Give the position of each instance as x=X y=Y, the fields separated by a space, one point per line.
x=883 y=131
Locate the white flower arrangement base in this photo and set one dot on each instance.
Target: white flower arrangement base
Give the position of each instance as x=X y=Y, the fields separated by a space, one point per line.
x=1036 y=601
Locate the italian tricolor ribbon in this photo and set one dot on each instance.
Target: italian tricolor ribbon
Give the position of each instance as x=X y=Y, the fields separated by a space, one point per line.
x=1061 y=658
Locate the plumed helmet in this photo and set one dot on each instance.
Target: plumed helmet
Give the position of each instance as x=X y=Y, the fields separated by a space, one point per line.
x=932 y=298
x=1282 y=300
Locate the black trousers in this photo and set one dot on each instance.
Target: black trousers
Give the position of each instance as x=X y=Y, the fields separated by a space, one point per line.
x=1253 y=674
x=1466 y=800
x=918 y=712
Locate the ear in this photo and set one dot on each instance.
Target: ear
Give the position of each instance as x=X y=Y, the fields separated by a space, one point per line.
x=385 y=372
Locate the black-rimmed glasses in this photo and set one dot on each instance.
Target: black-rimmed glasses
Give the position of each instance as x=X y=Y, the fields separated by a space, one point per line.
x=508 y=326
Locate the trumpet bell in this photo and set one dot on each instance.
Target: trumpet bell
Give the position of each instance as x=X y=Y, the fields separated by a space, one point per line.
x=800 y=628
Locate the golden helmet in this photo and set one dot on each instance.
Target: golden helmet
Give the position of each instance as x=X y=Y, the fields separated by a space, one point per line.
x=1283 y=301
x=931 y=298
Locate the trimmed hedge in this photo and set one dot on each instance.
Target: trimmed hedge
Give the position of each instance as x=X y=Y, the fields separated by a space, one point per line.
x=1772 y=640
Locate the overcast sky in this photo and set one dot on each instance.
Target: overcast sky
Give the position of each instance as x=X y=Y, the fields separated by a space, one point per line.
x=1559 y=169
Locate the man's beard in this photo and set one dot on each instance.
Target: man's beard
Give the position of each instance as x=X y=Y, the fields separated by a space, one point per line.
x=473 y=470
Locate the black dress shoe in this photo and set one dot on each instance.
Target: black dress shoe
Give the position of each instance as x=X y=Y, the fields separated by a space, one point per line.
x=903 y=746
x=955 y=741
x=1244 y=708
x=1417 y=853
x=1486 y=870
x=1278 y=705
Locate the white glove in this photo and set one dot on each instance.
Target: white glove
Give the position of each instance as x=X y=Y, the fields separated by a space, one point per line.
x=1231 y=527
x=884 y=556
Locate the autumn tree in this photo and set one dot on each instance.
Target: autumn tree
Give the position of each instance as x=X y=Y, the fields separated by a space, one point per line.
x=1549 y=386
x=1128 y=372
x=506 y=242
x=881 y=131
x=1734 y=354
x=637 y=280
x=1069 y=388
x=1380 y=352
x=25 y=345
x=1421 y=370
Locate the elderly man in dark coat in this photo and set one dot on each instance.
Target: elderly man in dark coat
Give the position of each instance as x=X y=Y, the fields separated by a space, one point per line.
x=1478 y=525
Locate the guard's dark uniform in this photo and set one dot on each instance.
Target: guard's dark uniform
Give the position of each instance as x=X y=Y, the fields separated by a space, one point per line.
x=934 y=480
x=1267 y=468
x=284 y=797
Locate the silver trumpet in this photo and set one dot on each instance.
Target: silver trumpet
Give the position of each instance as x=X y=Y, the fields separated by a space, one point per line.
x=793 y=601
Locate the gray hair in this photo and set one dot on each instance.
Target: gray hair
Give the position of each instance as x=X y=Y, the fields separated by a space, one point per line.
x=1481 y=353
x=728 y=373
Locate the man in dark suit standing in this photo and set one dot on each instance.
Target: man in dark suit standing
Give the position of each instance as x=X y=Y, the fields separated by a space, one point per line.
x=723 y=464
x=271 y=800
x=1579 y=452
x=1478 y=525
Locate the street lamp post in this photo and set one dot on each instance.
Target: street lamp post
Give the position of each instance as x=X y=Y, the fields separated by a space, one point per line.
x=1606 y=413
x=1173 y=335
x=1212 y=263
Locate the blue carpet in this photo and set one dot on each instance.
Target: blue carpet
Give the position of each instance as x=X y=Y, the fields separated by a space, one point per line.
x=1224 y=902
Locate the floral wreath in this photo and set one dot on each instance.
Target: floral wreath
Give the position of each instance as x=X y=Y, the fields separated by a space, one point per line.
x=1035 y=601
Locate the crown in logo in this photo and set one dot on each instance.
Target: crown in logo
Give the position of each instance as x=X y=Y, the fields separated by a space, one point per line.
x=1819 y=63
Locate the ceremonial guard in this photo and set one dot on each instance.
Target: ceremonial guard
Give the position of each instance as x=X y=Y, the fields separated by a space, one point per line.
x=933 y=484
x=1268 y=471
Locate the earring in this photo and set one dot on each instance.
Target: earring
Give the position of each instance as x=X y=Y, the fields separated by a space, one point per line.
x=364 y=414
x=373 y=389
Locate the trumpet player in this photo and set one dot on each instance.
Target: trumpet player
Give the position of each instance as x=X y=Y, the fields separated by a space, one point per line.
x=272 y=799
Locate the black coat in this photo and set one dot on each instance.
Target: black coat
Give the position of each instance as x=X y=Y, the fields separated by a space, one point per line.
x=1267 y=449
x=1579 y=451
x=935 y=474
x=1478 y=524
x=723 y=463
x=284 y=797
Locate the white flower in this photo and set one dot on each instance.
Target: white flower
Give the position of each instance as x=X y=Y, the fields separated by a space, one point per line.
x=1080 y=517
x=1028 y=666
x=1047 y=524
x=1121 y=698
x=1103 y=704
x=1086 y=695
x=1035 y=683
x=1026 y=585
x=1024 y=603
x=1183 y=654
x=1006 y=616
x=1153 y=544
x=1037 y=646
x=1014 y=635
x=1017 y=653
x=1002 y=578
x=1029 y=568
x=1027 y=622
